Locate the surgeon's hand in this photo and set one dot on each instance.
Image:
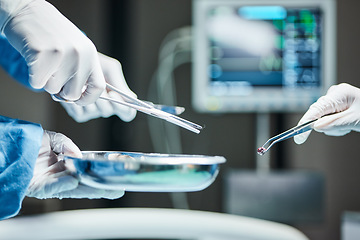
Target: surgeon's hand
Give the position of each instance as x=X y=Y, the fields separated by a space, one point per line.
x=60 y=58
x=113 y=75
x=342 y=102
x=53 y=179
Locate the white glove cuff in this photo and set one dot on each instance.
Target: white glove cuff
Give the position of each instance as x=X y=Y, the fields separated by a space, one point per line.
x=8 y=8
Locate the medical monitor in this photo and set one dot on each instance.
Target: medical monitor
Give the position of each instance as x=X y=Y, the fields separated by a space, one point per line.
x=262 y=55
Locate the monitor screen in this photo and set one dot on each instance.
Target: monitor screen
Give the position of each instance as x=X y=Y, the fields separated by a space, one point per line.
x=262 y=55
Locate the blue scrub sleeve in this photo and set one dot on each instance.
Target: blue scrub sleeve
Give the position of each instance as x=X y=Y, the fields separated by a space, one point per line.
x=14 y=63
x=20 y=142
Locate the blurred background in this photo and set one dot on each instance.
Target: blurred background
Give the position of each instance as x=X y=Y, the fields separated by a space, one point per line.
x=132 y=31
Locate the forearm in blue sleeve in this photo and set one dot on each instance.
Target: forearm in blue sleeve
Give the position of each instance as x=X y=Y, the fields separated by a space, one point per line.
x=13 y=63
x=20 y=142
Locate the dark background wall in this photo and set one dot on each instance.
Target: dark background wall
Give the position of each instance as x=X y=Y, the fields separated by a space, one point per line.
x=132 y=31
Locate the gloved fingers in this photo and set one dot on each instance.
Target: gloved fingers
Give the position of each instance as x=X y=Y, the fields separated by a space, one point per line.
x=57 y=167
x=125 y=113
x=81 y=113
x=113 y=74
x=336 y=132
x=52 y=85
x=59 y=143
x=38 y=76
x=323 y=106
x=45 y=157
x=101 y=108
x=330 y=121
x=104 y=107
x=83 y=191
x=95 y=86
x=78 y=76
x=301 y=138
x=335 y=100
x=75 y=111
x=339 y=98
x=50 y=175
x=41 y=173
x=75 y=86
x=90 y=111
x=69 y=65
x=49 y=185
x=337 y=124
x=60 y=182
x=313 y=112
x=49 y=180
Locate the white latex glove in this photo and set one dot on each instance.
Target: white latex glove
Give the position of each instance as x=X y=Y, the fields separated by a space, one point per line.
x=343 y=103
x=113 y=74
x=53 y=179
x=61 y=59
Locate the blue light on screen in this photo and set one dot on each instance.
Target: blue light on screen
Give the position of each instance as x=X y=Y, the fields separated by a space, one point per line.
x=262 y=12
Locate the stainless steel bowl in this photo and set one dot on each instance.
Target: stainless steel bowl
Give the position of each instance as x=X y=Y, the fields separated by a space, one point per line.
x=145 y=172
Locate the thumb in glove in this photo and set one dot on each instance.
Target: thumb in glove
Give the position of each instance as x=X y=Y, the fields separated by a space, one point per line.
x=51 y=176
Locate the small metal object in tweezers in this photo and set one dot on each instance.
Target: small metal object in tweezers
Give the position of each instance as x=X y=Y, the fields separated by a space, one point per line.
x=285 y=135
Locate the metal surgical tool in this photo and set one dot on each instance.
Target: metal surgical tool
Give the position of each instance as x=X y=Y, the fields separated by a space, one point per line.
x=159 y=111
x=285 y=135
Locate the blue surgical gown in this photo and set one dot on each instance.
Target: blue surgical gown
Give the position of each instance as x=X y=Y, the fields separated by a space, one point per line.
x=13 y=63
x=20 y=141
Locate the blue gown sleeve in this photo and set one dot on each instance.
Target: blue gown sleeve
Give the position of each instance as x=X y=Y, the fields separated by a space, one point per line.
x=20 y=142
x=14 y=63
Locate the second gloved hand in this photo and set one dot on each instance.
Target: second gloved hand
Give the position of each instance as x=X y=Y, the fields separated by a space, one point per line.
x=113 y=75
x=342 y=105
x=52 y=178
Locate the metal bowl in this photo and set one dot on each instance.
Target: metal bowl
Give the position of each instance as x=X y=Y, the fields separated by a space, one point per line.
x=145 y=172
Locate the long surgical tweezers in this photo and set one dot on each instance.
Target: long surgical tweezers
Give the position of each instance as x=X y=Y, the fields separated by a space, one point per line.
x=148 y=108
x=285 y=135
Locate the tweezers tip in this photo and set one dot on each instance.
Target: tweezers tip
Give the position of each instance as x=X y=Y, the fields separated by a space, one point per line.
x=261 y=151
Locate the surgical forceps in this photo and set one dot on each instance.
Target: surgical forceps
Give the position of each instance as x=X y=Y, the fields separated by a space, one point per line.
x=285 y=135
x=160 y=111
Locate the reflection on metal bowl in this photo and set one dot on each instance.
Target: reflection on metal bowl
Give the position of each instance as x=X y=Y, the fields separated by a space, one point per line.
x=146 y=172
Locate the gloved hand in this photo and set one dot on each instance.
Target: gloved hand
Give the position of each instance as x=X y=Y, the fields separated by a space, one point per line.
x=52 y=178
x=342 y=102
x=60 y=58
x=101 y=108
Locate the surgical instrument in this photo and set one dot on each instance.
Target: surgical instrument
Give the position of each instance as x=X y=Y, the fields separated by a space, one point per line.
x=285 y=135
x=147 y=108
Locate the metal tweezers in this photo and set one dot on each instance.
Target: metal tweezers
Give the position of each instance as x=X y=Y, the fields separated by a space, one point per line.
x=285 y=135
x=160 y=111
